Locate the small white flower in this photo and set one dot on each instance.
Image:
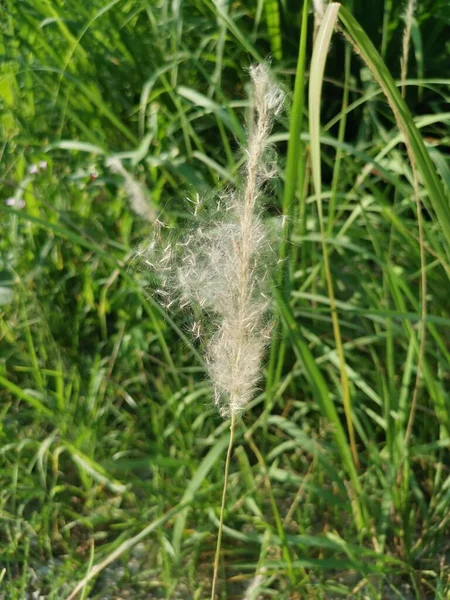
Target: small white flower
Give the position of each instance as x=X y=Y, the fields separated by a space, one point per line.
x=15 y=202
x=33 y=170
x=43 y=165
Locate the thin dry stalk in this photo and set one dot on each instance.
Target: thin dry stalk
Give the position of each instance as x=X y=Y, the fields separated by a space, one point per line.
x=423 y=324
x=222 y=507
x=409 y=17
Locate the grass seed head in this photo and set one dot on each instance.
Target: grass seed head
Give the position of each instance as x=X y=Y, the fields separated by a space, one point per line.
x=223 y=267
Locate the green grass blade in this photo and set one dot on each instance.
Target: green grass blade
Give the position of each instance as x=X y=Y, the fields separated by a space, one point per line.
x=273 y=27
x=205 y=466
x=25 y=396
x=315 y=96
x=293 y=167
x=322 y=395
x=438 y=198
x=293 y=162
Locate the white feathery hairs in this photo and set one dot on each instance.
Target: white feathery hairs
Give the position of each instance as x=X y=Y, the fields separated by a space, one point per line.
x=223 y=267
x=138 y=197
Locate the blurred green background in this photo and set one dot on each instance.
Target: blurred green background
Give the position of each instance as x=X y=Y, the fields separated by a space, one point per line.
x=106 y=417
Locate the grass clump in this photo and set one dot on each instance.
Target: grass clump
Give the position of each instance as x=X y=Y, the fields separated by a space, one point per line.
x=111 y=459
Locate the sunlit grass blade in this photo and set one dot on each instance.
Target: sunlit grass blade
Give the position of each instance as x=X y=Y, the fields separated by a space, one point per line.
x=439 y=200
x=315 y=90
x=295 y=165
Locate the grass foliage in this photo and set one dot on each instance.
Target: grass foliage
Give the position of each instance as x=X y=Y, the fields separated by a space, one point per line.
x=111 y=454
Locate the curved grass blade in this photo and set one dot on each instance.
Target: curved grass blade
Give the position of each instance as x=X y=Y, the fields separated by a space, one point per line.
x=202 y=471
x=438 y=198
x=315 y=92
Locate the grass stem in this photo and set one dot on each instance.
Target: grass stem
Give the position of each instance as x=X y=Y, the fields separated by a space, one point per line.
x=423 y=325
x=222 y=508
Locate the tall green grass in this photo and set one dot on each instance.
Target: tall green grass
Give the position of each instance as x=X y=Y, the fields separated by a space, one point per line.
x=111 y=461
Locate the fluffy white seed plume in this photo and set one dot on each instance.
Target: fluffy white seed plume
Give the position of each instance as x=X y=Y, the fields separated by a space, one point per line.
x=223 y=267
x=137 y=194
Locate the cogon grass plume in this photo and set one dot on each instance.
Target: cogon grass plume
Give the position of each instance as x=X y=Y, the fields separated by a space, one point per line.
x=137 y=195
x=222 y=269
